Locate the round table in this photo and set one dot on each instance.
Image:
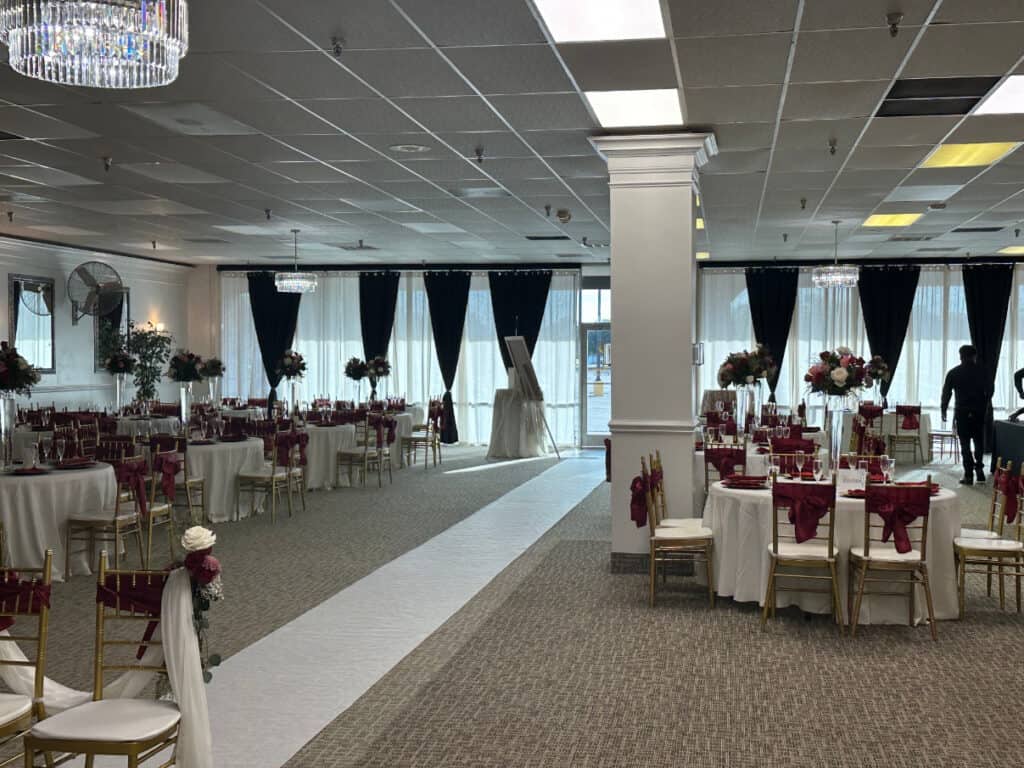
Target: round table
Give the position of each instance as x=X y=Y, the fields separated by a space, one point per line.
x=322 y=453
x=134 y=426
x=34 y=511
x=252 y=414
x=219 y=465
x=741 y=523
x=886 y=426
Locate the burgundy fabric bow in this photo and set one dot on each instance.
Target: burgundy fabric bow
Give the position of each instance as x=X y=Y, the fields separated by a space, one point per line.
x=725 y=460
x=793 y=445
x=21 y=596
x=898 y=506
x=302 y=438
x=807 y=505
x=761 y=435
x=1009 y=486
x=168 y=467
x=910 y=415
x=284 y=443
x=132 y=474
x=638 y=502
x=656 y=477
x=870 y=412
x=142 y=596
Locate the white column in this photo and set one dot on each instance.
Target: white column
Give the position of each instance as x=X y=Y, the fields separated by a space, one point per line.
x=654 y=290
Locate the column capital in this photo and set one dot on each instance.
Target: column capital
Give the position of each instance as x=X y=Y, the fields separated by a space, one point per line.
x=655 y=159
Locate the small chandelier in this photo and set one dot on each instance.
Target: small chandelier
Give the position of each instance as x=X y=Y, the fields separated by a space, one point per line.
x=835 y=275
x=295 y=281
x=96 y=43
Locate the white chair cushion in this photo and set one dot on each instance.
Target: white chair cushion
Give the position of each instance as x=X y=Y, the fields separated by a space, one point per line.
x=13 y=706
x=988 y=545
x=688 y=523
x=103 y=516
x=977 y=533
x=887 y=553
x=681 y=534
x=809 y=550
x=264 y=474
x=110 y=720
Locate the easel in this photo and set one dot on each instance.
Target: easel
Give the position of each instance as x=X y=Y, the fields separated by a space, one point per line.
x=526 y=380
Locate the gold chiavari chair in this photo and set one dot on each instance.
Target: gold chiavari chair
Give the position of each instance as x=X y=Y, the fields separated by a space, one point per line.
x=380 y=457
x=24 y=600
x=109 y=525
x=138 y=729
x=272 y=478
x=1002 y=475
x=297 y=465
x=675 y=545
x=802 y=538
x=359 y=458
x=192 y=488
x=881 y=556
x=426 y=436
x=161 y=513
x=733 y=454
x=660 y=498
x=908 y=431
x=1004 y=553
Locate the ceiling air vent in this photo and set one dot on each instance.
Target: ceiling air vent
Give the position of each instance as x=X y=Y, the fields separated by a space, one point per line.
x=968 y=230
x=935 y=96
x=935 y=249
x=545 y=238
x=205 y=240
x=910 y=238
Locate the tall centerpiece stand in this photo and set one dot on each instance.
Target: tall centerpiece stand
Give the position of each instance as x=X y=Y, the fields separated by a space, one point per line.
x=377 y=369
x=185 y=368
x=120 y=364
x=746 y=371
x=212 y=370
x=292 y=367
x=355 y=369
x=17 y=377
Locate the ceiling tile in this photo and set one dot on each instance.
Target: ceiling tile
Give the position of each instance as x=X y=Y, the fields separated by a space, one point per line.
x=732 y=105
x=841 y=55
x=544 y=111
x=407 y=73
x=887 y=157
x=824 y=101
x=908 y=131
x=620 y=65
x=360 y=116
x=308 y=75
x=981 y=49
x=511 y=68
x=456 y=113
x=359 y=23
x=864 y=13
x=502 y=23
x=698 y=18
x=736 y=60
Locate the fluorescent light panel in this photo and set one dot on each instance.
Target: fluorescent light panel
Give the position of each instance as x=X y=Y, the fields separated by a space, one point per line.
x=636 y=109
x=1013 y=250
x=702 y=255
x=891 y=219
x=700 y=223
x=580 y=21
x=1007 y=99
x=968 y=155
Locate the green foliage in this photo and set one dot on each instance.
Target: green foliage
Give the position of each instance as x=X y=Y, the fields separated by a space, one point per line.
x=151 y=349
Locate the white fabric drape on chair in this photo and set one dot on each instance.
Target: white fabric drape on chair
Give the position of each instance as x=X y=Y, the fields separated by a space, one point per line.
x=329 y=333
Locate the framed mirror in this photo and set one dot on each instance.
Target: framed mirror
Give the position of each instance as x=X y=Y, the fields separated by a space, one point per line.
x=110 y=331
x=30 y=302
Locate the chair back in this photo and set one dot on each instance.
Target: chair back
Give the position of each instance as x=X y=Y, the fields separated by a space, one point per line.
x=793 y=445
x=124 y=600
x=130 y=473
x=908 y=419
x=1005 y=490
x=870 y=412
x=25 y=601
x=653 y=516
x=113 y=450
x=897 y=515
x=723 y=460
x=166 y=466
x=803 y=512
x=788 y=462
x=657 y=485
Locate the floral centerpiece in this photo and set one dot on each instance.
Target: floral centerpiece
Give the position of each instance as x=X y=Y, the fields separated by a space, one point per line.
x=746 y=370
x=207 y=587
x=376 y=369
x=17 y=375
x=292 y=365
x=356 y=369
x=840 y=372
x=119 y=362
x=212 y=367
x=185 y=366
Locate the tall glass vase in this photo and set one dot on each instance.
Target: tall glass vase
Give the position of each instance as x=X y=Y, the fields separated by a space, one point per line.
x=185 y=393
x=742 y=406
x=215 y=391
x=373 y=389
x=293 y=406
x=836 y=407
x=120 y=390
x=8 y=418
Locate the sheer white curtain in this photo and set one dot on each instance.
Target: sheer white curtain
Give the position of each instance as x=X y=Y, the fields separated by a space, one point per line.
x=822 y=320
x=329 y=333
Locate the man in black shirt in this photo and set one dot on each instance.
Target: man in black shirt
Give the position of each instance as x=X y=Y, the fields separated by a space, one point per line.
x=973 y=395
x=1018 y=384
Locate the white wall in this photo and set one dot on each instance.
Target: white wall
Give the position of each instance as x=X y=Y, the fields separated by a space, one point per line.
x=158 y=294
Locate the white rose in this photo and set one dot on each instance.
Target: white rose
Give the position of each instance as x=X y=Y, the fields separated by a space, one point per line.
x=839 y=376
x=750 y=379
x=198 y=538
x=843 y=351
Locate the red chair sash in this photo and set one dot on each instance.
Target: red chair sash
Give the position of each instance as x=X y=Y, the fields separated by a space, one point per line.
x=638 y=501
x=870 y=412
x=28 y=597
x=284 y=443
x=793 y=445
x=911 y=416
x=132 y=474
x=142 y=596
x=168 y=469
x=303 y=440
x=807 y=505
x=898 y=506
x=1009 y=486
x=725 y=460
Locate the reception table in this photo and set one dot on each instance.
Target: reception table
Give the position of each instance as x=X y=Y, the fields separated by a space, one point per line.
x=322 y=454
x=741 y=523
x=34 y=511
x=219 y=465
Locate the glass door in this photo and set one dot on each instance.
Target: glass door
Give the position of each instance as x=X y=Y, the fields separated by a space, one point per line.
x=595 y=382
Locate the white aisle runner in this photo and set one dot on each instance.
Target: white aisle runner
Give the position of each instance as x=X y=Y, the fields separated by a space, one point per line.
x=269 y=700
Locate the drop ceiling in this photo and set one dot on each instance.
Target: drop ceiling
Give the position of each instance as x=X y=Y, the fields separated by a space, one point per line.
x=265 y=117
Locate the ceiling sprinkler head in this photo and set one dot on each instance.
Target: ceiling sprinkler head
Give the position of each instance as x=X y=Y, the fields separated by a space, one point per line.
x=107 y=163
x=10 y=216
x=894 y=20
x=480 y=154
x=832 y=146
x=267 y=211
x=803 y=203
x=547 y=210
x=785 y=237
x=337 y=46
x=154 y=244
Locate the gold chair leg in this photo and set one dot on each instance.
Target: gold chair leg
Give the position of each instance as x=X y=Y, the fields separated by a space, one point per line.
x=1019 y=564
x=291 y=511
x=709 y=567
x=67 y=554
x=768 y=593
x=653 y=568
x=837 y=605
x=238 y=500
x=910 y=600
x=928 y=600
x=961 y=585
x=149 y=543
x=1002 y=587
x=855 y=618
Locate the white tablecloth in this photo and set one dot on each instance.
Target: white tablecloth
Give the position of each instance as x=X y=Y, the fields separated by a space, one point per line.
x=741 y=522
x=888 y=427
x=155 y=425
x=517 y=427
x=404 y=422
x=243 y=413
x=322 y=453
x=35 y=510
x=219 y=465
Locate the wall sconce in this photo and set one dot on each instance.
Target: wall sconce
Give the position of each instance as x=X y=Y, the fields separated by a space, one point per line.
x=160 y=327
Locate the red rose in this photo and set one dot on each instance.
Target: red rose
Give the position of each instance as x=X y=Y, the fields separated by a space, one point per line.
x=203 y=566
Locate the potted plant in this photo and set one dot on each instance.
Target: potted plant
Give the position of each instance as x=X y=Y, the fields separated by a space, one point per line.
x=151 y=349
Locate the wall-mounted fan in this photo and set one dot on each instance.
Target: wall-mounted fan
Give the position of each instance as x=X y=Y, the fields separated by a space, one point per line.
x=94 y=288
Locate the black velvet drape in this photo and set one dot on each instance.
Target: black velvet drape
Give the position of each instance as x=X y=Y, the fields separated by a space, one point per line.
x=15 y=309
x=987 y=290
x=448 y=297
x=378 y=294
x=886 y=299
x=275 y=316
x=772 y=297
x=518 y=300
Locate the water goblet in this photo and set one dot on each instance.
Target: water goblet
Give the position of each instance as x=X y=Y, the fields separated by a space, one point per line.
x=59 y=445
x=719 y=406
x=785 y=432
x=776 y=466
x=885 y=464
x=801 y=459
x=35 y=455
x=862 y=469
x=819 y=470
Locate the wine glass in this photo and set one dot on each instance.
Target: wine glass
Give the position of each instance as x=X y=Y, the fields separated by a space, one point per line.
x=35 y=455
x=719 y=406
x=59 y=445
x=862 y=470
x=785 y=432
x=203 y=426
x=885 y=464
x=801 y=459
x=698 y=435
x=776 y=465
x=819 y=470
x=892 y=469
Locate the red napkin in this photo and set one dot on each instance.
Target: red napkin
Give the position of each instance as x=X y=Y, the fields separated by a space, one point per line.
x=200 y=442
x=31 y=471
x=856 y=493
x=233 y=439
x=764 y=449
x=745 y=481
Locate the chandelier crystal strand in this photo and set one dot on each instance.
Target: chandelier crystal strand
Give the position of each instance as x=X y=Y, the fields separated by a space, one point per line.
x=836 y=275
x=295 y=281
x=96 y=43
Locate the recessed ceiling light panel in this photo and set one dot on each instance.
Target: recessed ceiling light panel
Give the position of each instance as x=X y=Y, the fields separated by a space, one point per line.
x=968 y=155
x=702 y=255
x=636 y=109
x=891 y=219
x=1012 y=250
x=579 y=21
x=1007 y=99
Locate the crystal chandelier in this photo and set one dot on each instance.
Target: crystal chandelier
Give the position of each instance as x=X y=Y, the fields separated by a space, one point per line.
x=96 y=43
x=835 y=275
x=295 y=281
